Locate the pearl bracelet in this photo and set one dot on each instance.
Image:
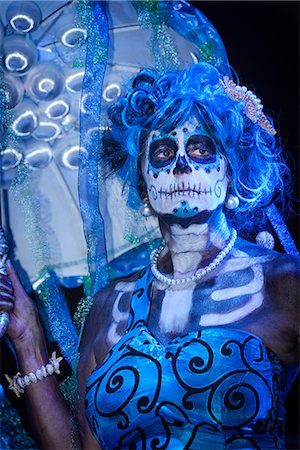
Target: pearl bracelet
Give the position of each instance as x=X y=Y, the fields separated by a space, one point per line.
x=18 y=383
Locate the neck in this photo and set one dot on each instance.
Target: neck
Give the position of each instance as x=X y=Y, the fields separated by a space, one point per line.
x=191 y=246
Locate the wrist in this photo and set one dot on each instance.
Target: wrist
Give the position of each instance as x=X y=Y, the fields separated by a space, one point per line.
x=18 y=383
x=31 y=346
x=32 y=359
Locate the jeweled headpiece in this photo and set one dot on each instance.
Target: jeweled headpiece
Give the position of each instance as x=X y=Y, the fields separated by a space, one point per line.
x=253 y=107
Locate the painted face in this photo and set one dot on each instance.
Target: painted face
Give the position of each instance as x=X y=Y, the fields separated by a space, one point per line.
x=183 y=171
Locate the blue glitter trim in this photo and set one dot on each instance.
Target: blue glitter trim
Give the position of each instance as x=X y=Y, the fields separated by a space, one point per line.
x=281 y=230
x=89 y=187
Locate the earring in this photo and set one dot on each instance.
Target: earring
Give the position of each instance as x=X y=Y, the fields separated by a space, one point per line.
x=145 y=209
x=232 y=202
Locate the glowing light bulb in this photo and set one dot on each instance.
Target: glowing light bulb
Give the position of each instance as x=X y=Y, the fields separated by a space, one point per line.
x=25 y=123
x=19 y=54
x=10 y=158
x=16 y=61
x=74 y=81
x=70 y=157
x=39 y=158
x=45 y=81
x=46 y=131
x=46 y=85
x=73 y=37
x=22 y=23
x=111 y=92
x=57 y=109
x=23 y=16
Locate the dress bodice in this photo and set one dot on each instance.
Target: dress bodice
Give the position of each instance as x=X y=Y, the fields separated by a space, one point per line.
x=218 y=388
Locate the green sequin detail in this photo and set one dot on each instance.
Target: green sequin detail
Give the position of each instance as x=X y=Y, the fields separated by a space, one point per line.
x=163 y=48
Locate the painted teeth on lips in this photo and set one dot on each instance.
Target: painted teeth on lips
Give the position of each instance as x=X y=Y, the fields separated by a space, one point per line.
x=182 y=191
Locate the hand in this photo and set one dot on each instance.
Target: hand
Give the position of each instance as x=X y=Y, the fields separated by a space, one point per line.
x=24 y=322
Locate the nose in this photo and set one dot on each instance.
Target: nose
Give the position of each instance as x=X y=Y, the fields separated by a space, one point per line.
x=182 y=166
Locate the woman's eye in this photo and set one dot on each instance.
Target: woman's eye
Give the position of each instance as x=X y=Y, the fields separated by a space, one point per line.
x=163 y=154
x=198 y=151
x=201 y=149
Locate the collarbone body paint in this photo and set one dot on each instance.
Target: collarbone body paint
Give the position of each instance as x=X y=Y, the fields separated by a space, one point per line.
x=228 y=295
x=119 y=314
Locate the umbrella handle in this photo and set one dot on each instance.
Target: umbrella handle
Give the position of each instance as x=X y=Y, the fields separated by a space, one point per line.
x=4 y=316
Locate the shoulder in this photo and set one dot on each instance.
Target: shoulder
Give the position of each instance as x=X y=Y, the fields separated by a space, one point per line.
x=275 y=262
x=107 y=319
x=104 y=300
x=283 y=280
x=282 y=267
x=281 y=271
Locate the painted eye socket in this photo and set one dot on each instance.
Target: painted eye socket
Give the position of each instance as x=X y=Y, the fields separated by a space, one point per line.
x=201 y=148
x=162 y=152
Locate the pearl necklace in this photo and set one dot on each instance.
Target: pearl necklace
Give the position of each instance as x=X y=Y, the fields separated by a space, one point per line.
x=201 y=273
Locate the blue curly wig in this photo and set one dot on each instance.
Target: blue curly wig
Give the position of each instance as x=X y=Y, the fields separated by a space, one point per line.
x=165 y=101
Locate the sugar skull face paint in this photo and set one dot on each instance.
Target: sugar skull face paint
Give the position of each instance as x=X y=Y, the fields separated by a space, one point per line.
x=184 y=172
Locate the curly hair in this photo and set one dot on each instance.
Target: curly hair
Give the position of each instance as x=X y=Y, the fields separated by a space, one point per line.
x=165 y=101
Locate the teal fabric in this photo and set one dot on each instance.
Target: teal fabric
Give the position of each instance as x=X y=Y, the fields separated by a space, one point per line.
x=218 y=388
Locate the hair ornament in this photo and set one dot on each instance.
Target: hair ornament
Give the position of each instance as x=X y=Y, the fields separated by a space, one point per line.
x=253 y=107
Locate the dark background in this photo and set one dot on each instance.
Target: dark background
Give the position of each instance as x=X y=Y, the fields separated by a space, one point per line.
x=262 y=43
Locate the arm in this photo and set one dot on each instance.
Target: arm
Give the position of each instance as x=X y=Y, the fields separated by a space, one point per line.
x=104 y=326
x=48 y=412
x=87 y=362
x=283 y=287
x=289 y=292
x=49 y=415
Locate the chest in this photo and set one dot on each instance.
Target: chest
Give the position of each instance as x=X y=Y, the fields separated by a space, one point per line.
x=223 y=299
x=234 y=299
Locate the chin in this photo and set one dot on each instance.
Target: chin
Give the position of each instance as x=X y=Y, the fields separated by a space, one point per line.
x=186 y=220
x=183 y=208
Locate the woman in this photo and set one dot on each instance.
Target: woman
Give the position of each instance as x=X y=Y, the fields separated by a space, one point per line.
x=194 y=350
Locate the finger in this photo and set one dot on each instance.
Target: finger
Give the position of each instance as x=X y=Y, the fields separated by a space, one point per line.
x=4 y=279
x=6 y=296
x=13 y=276
x=4 y=286
x=6 y=307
